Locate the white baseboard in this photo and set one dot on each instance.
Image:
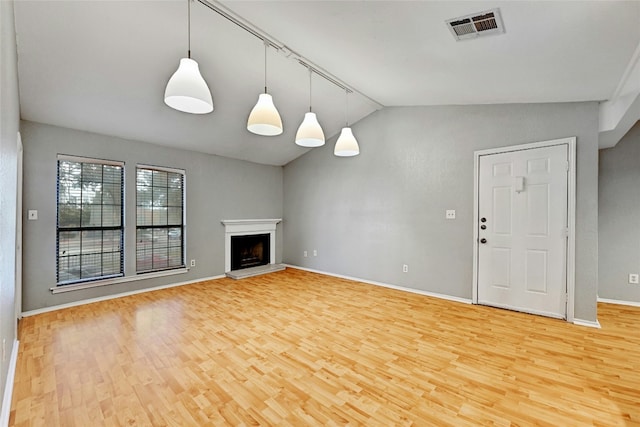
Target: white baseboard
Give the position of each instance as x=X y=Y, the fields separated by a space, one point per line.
x=386 y=285
x=587 y=323
x=8 y=386
x=120 y=295
x=619 y=302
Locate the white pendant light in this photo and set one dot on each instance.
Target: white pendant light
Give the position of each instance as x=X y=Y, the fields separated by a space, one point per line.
x=346 y=145
x=264 y=118
x=186 y=90
x=310 y=132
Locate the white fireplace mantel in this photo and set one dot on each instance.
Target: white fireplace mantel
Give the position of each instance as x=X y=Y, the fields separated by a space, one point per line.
x=247 y=227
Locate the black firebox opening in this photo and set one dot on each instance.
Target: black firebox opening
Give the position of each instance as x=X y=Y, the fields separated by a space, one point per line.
x=249 y=251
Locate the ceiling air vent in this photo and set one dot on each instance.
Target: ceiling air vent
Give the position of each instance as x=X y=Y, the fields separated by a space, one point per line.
x=477 y=24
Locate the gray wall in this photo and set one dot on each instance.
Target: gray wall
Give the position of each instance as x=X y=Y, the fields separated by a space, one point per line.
x=619 y=218
x=9 y=126
x=370 y=214
x=216 y=188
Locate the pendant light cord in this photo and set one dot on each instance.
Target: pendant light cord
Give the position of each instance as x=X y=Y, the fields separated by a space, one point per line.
x=346 y=107
x=310 y=90
x=266 y=45
x=189 y=28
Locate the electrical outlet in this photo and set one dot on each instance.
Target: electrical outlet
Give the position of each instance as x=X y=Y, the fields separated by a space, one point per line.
x=405 y=268
x=633 y=279
x=450 y=214
x=193 y=263
x=315 y=252
x=304 y=254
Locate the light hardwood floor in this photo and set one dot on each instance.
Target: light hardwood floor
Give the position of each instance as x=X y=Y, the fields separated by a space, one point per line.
x=296 y=348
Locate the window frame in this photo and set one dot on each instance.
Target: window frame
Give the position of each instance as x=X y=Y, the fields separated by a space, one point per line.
x=81 y=228
x=182 y=226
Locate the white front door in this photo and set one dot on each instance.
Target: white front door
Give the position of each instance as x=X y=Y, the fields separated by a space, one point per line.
x=522 y=230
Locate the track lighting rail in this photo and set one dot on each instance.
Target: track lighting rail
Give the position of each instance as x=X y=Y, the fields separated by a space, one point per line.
x=327 y=77
x=282 y=48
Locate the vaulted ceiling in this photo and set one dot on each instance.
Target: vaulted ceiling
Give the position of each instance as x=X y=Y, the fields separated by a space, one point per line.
x=102 y=66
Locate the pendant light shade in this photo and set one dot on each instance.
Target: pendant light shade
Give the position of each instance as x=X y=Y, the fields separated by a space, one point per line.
x=346 y=145
x=264 y=119
x=310 y=133
x=187 y=91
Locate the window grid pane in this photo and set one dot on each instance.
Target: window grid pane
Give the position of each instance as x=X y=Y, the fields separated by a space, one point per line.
x=159 y=220
x=89 y=224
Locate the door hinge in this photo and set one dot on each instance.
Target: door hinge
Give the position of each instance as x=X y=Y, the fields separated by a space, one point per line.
x=565 y=232
x=567 y=165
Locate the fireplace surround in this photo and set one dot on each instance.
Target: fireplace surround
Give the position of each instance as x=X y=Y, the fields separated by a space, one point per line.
x=249 y=227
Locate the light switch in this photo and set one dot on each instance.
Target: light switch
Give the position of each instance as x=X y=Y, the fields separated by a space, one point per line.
x=33 y=215
x=450 y=214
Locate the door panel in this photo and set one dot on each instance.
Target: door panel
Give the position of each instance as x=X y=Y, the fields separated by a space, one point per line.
x=538 y=210
x=522 y=196
x=501 y=268
x=502 y=210
x=536 y=271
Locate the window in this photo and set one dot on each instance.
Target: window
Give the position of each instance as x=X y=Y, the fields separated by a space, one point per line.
x=89 y=239
x=159 y=219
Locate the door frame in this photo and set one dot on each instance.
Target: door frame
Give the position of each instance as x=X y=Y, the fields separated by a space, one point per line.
x=18 y=290
x=571 y=212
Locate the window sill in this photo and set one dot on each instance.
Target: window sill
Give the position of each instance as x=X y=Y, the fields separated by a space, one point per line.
x=68 y=288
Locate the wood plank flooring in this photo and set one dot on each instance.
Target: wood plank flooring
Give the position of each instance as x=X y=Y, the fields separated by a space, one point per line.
x=295 y=348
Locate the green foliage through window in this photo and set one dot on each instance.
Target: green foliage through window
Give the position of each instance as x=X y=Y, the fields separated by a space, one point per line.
x=89 y=220
x=159 y=219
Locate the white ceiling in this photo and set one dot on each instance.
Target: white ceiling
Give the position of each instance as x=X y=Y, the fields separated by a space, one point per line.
x=102 y=66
